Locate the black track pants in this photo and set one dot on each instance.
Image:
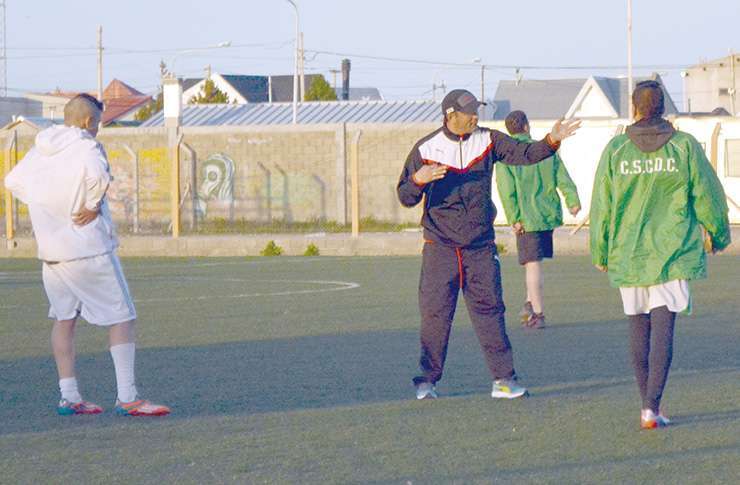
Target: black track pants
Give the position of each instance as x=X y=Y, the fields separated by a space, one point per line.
x=444 y=272
x=651 y=345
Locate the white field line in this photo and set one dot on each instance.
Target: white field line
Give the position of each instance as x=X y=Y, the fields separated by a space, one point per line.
x=129 y=268
x=334 y=286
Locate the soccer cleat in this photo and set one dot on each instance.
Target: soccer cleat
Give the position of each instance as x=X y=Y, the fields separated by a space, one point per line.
x=526 y=312
x=68 y=408
x=426 y=390
x=508 y=389
x=141 y=407
x=648 y=420
x=536 y=321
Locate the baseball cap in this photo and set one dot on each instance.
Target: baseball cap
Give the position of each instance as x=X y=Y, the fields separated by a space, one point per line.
x=460 y=100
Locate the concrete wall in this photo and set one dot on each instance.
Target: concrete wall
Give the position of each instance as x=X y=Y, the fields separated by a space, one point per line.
x=302 y=173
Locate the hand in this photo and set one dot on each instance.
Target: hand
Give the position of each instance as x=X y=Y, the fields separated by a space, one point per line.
x=603 y=269
x=562 y=129
x=518 y=228
x=430 y=173
x=574 y=210
x=85 y=216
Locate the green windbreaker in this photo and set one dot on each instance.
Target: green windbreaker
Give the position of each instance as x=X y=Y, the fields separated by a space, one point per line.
x=528 y=193
x=647 y=206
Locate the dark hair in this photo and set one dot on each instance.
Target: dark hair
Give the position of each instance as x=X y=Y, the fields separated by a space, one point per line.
x=91 y=99
x=648 y=99
x=516 y=121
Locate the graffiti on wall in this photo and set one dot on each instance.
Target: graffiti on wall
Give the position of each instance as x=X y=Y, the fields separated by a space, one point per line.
x=217 y=183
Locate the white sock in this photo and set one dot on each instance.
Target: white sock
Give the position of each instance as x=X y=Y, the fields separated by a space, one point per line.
x=68 y=388
x=123 y=360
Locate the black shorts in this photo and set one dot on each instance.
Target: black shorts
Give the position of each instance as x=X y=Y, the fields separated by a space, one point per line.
x=534 y=246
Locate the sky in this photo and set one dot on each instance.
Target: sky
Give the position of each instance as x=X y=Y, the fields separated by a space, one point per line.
x=402 y=47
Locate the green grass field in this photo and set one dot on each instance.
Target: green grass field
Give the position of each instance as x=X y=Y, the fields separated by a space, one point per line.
x=298 y=370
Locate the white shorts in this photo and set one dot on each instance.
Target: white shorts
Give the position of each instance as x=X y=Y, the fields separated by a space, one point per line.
x=673 y=294
x=93 y=288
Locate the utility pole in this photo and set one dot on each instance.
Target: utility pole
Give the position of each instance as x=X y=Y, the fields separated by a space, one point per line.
x=436 y=86
x=483 y=82
x=295 y=71
x=303 y=77
x=733 y=89
x=100 y=63
x=629 y=60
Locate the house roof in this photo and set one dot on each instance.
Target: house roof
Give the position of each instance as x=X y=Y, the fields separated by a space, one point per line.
x=540 y=99
x=117 y=107
x=553 y=98
x=118 y=99
x=252 y=88
x=119 y=89
x=282 y=86
x=616 y=89
x=308 y=113
x=361 y=94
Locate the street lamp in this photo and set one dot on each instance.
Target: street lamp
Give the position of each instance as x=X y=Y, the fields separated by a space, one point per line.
x=478 y=60
x=295 y=72
x=220 y=45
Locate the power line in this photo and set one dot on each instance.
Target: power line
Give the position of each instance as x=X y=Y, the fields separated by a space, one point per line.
x=495 y=66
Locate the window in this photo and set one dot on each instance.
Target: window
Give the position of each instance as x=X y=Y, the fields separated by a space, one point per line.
x=732 y=158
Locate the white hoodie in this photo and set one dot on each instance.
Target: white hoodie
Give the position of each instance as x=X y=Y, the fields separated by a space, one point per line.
x=65 y=171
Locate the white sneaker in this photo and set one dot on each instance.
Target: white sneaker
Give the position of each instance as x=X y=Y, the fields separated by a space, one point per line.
x=649 y=420
x=426 y=390
x=507 y=389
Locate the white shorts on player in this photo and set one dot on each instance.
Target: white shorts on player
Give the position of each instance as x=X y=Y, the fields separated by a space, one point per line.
x=674 y=294
x=93 y=288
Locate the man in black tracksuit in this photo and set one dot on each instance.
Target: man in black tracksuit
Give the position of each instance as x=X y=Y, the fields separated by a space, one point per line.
x=451 y=170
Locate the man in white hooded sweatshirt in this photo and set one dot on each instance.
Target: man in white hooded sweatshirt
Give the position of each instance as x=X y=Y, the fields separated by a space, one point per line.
x=63 y=179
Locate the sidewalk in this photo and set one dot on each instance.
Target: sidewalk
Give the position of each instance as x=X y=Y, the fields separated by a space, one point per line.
x=368 y=244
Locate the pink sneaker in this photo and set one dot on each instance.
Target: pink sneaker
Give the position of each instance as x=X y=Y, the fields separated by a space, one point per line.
x=68 y=408
x=141 y=407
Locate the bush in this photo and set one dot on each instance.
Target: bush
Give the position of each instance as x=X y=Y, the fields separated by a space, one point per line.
x=272 y=249
x=311 y=250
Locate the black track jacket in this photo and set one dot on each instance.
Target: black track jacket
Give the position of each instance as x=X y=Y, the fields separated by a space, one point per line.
x=458 y=210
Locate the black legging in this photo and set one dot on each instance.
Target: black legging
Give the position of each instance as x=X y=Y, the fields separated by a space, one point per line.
x=651 y=344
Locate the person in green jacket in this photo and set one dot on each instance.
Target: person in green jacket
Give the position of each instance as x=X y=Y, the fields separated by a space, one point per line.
x=532 y=206
x=653 y=192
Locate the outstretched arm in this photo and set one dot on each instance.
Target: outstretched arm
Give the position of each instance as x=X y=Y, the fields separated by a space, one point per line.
x=516 y=152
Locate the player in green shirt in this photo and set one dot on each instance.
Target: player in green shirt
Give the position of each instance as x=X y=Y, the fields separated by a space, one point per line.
x=529 y=194
x=653 y=192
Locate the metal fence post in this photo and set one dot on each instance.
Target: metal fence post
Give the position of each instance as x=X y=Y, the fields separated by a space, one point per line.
x=193 y=186
x=175 y=142
x=135 y=160
x=11 y=157
x=355 y=174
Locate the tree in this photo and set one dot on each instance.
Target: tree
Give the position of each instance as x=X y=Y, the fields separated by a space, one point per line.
x=210 y=94
x=320 y=91
x=148 y=111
